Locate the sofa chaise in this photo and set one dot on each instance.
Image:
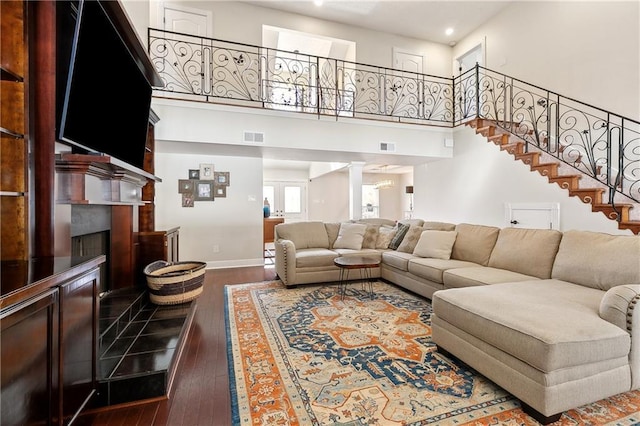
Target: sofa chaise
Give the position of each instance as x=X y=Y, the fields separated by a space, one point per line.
x=548 y=316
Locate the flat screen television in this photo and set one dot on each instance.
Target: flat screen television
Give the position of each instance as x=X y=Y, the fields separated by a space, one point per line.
x=106 y=98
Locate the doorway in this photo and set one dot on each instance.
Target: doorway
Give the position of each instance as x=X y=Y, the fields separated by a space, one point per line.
x=465 y=65
x=287 y=200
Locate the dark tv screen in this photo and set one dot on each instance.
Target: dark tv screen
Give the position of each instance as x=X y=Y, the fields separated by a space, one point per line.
x=107 y=98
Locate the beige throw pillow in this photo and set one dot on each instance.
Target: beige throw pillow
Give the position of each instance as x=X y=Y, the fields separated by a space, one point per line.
x=411 y=239
x=350 y=236
x=435 y=244
x=385 y=235
x=370 y=236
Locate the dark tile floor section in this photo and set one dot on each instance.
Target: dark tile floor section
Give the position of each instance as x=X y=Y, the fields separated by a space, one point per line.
x=137 y=343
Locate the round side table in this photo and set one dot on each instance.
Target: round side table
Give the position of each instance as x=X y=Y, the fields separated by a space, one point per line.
x=364 y=264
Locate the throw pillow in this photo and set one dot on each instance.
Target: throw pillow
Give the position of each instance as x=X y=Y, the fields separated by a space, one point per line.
x=435 y=244
x=385 y=235
x=350 y=236
x=370 y=237
x=401 y=231
x=411 y=239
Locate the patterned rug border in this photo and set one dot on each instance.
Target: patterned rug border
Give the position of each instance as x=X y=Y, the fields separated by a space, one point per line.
x=608 y=410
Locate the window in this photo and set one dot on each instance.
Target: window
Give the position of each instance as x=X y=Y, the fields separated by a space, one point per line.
x=370 y=202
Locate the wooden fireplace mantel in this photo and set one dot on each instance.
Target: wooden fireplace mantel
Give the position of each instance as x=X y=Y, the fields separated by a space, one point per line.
x=99 y=179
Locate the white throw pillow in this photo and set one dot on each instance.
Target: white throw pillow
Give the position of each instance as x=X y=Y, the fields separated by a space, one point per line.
x=385 y=235
x=350 y=236
x=435 y=244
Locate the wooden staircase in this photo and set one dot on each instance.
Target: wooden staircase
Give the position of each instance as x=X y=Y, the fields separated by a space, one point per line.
x=570 y=182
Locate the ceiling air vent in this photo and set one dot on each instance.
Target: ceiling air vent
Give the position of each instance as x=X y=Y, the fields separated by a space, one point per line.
x=256 y=137
x=387 y=146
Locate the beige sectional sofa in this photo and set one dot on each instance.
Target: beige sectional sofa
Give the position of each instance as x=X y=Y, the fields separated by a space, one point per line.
x=548 y=316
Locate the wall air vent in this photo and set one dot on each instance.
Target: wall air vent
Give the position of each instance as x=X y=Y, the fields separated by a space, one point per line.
x=256 y=137
x=387 y=146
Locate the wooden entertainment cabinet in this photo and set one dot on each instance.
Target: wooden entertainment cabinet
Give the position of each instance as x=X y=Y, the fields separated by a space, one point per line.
x=49 y=299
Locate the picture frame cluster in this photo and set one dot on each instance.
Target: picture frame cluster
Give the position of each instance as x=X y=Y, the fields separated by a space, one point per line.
x=203 y=184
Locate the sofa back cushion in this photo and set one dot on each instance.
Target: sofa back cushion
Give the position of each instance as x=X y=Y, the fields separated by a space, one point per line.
x=439 y=226
x=526 y=251
x=375 y=221
x=474 y=243
x=598 y=260
x=303 y=234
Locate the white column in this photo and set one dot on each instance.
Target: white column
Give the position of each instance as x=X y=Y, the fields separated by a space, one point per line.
x=355 y=189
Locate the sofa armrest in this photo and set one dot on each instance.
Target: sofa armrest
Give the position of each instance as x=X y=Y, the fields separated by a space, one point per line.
x=621 y=306
x=286 y=261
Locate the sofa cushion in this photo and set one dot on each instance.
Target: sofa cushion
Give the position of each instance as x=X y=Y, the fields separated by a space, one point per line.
x=436 y=244
x=397 y=259
x=439 y=226
x=376 y=221
x=304 y=234
x=474 y=243
x=350 y=236
x=481 y=275
x=411 y=222
x=332 y=231
x=385 y=235
x=370 y=236
x=432 y=269
x=598 y=260
x=401 y=230
x=362 y=252
x=314 y=257
x=410 y=239
x=548 y=324
x=527 y=251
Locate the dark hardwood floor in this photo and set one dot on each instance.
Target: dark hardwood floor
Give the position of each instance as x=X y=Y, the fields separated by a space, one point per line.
x=200 y=392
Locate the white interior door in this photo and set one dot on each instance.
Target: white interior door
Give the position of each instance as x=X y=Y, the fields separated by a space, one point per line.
x=408 y=61
x=181 y=19
x=533 y=216
x=287 y=199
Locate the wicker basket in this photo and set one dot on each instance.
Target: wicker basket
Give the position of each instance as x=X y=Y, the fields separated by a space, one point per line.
x=174 y=283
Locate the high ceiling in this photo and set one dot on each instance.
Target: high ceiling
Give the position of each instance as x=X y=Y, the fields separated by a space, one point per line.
x=421 y=19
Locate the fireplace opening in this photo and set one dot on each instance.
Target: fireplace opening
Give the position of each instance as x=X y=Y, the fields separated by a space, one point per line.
x=94 y=244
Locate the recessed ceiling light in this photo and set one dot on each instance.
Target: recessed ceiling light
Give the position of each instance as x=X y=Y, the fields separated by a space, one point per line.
x=448 y=31
x=317 y=2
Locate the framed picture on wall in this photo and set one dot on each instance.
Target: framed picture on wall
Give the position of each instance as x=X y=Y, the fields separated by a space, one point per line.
x=187 y=200
x=222 y=178
x=220 y=191
x=185 y=186
x=194 y=174
x=206 y=171
x=204 y=190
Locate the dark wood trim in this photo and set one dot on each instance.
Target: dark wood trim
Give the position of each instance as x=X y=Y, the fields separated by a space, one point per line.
x=42 y=123
x=122 y=248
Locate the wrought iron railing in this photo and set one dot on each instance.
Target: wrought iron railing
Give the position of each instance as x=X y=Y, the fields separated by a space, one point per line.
x=220 y=71
x=598 y=143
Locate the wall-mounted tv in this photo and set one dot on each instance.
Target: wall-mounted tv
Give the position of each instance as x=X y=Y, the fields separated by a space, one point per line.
x=105 y=97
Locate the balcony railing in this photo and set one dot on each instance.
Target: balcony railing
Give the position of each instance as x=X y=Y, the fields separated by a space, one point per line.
x=598 y=143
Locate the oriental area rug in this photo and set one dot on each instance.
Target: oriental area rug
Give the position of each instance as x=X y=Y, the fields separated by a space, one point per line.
x=307 y=356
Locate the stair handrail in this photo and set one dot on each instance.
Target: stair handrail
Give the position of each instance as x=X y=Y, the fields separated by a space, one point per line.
x=598 y=143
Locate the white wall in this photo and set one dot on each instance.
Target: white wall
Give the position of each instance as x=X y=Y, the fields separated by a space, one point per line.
x=587 y=50
x=233 y=223
x=475 y=184
x=241 y=22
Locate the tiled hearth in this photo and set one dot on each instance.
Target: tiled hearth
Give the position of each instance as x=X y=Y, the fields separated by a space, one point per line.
x=139 y=345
